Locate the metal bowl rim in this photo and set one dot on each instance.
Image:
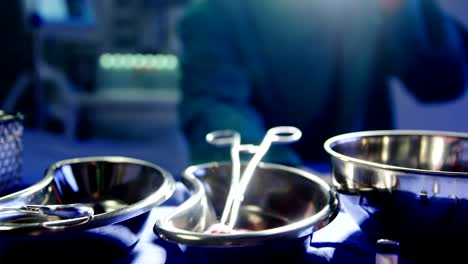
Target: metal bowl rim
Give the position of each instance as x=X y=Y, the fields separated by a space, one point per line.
x=329 y=143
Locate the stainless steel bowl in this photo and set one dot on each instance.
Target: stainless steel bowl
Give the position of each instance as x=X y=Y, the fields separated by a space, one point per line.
x=120 y=190
x=280 y=204
x=403 y=185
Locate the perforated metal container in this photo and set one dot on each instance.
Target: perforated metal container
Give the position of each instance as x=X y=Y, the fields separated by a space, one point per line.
x=11 y=149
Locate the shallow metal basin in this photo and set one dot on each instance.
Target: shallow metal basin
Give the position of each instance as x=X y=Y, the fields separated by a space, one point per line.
x=121 y=192
x=281 y=203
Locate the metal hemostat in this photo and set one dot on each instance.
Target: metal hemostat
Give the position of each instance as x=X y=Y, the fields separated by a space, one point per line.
x=239 y=183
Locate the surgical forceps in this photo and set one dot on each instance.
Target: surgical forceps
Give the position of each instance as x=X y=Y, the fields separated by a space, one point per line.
x=238 y=186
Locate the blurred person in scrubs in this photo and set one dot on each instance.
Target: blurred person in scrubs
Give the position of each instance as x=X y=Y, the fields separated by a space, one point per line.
x=319 y=65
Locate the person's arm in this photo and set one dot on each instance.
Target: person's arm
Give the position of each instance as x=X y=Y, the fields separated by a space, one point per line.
x=424 y=48
x=215 y=86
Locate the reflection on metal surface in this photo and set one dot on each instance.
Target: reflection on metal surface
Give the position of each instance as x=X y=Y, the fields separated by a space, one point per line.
x=68 y=174
x=386 y=147
x=437 y=154
x=435 y=188
x=280 y=203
